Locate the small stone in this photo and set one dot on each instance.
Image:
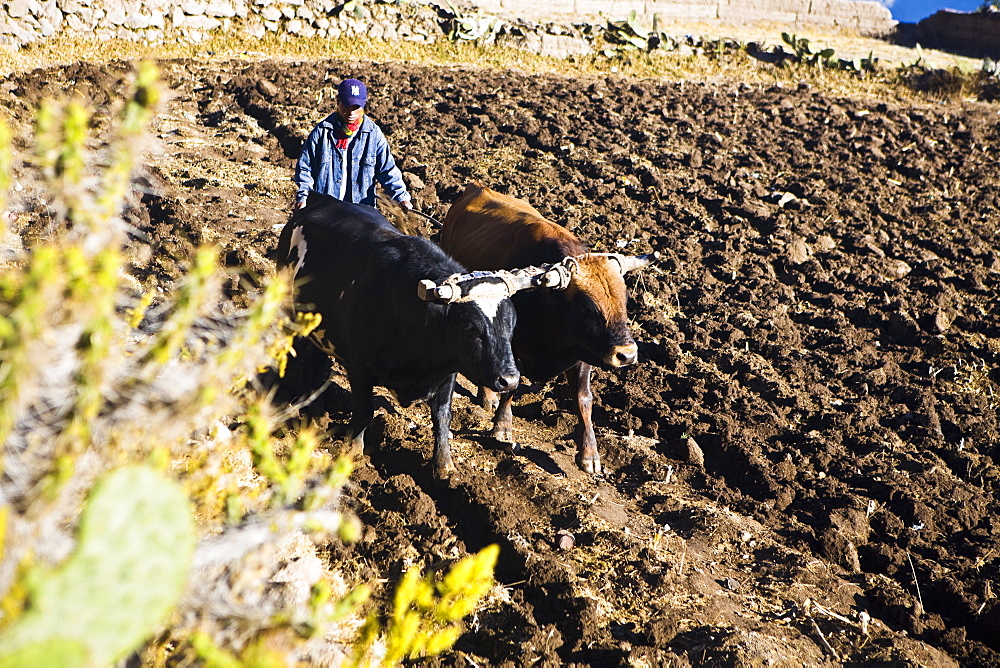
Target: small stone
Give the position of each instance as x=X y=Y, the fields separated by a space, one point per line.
x=45 y=27
x=201 y=23
x=266 y=88
x=75 y=23
x=694 y=454
x=824 y=244
x=896 y=269
x=220 y=9
x=137 y=21
x=21 y=8
x=116 y=14
x=799 y=252
x=943 y=320
x=565 y=541
x=788 y=201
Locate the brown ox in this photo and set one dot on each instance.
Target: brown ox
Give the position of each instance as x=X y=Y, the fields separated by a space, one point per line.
x=558 y=331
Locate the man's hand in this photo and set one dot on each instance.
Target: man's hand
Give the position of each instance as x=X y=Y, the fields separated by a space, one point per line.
x=301 y=204
x=406 y=204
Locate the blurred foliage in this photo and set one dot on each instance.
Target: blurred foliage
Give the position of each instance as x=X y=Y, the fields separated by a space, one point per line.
x=426 y=614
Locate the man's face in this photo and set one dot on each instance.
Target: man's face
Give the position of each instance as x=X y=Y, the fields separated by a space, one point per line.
x=351 y=113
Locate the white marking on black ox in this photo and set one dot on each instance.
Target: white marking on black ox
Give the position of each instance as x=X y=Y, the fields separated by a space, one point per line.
x=487 y=296
x=484 y=289
x=298 y=243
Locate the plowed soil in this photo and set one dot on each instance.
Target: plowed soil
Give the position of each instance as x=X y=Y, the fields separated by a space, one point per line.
x=810 y=438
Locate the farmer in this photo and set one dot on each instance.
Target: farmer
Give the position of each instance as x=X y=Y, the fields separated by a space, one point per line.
x=346 y=154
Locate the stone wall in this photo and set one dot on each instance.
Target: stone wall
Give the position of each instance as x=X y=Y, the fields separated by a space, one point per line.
x=975 y=34
x=865 y=16
x=26 y=21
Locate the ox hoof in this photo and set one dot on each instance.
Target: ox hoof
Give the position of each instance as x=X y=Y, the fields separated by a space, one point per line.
x=443 y=471
x=590 y=464
x=356 y=447
x=504 y=435
x=489 y=401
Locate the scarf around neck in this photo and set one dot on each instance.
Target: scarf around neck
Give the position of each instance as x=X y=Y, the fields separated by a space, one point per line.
x=343 y=131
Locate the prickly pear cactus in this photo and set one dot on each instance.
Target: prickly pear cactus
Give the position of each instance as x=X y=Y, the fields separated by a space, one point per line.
x=128 y=571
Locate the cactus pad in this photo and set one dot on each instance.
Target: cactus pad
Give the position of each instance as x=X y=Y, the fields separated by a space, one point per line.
x=128 y=571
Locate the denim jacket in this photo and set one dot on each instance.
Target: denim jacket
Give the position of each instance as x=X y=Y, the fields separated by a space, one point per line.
x=321 y=168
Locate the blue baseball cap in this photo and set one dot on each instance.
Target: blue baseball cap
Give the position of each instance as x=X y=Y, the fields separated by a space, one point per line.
x=352 y=92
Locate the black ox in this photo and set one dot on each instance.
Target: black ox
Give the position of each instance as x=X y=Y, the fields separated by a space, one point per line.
x=399 y=313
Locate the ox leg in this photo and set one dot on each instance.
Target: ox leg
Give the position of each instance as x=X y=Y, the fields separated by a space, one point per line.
x=503 y=421
x=440 y=403
x=489 y=399
x=362 y=410
x=587 y=457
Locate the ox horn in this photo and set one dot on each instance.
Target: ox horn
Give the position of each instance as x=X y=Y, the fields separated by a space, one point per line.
x=429 y=291
x=627 y=263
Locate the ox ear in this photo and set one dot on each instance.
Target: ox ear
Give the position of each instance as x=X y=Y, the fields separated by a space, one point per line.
x=629 y=263
x=429 y=291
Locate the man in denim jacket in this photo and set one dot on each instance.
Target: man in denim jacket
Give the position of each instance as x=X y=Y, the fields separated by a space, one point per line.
x=347 y=154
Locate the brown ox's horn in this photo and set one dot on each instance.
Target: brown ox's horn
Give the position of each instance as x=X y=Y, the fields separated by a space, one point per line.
x=629 y=263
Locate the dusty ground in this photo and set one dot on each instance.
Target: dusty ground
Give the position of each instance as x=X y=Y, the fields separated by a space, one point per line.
x=811 y=434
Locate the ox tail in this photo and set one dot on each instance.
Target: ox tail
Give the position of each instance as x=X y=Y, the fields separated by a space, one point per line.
x=285 y=244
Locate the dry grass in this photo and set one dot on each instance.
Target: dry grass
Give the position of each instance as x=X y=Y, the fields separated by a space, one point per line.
x=732 y=66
